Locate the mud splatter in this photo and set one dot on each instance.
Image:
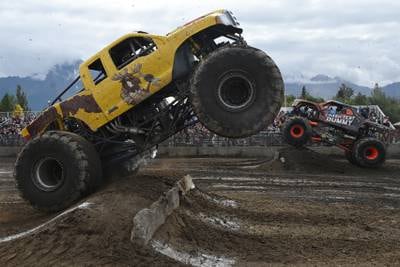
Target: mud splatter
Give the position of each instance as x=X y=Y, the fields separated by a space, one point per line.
x=41 y=122
x=86 y=102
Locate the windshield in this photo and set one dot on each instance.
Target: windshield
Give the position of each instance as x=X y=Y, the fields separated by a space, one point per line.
x=74 y=87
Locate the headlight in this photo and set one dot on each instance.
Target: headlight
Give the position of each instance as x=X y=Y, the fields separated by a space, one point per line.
x=235 y=21
x=228 y=19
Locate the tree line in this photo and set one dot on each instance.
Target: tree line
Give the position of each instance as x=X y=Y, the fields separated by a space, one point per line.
x=10 y=101
x=389 y=105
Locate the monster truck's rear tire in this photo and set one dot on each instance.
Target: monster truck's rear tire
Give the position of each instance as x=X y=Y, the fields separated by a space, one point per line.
x=350 y=157
x=369 y=152
x=236 y=91
x=297 y=131
x=54 y=170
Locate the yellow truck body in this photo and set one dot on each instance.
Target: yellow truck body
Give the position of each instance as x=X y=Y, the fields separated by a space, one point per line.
x=99 y=102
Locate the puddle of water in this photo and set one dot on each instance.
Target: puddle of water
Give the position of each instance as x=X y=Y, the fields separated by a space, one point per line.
x=219 y=222
x=222 y=202
x=200 y=259
x=243 y=187
x=289 y=182
x=227 y=178
x=337 y=198
x=392 y=195
x=391 y=188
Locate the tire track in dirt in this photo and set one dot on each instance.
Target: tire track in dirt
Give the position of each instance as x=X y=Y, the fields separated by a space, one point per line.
x=43 y=226
x=263 y=230
x=309 y=188
x=344 y=183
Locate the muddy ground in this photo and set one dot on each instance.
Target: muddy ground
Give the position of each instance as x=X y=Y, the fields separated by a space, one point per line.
x=299 y=208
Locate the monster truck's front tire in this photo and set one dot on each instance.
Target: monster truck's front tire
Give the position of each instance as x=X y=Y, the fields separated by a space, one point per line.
x=236 y=91
x=297 y=131
x=54 y=170
x=369 y=152
x=95 y=179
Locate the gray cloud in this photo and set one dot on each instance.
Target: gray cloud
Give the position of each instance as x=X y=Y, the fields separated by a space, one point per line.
x=356 y=39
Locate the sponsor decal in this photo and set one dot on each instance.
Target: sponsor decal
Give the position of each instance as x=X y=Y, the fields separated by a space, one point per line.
x=340 y=119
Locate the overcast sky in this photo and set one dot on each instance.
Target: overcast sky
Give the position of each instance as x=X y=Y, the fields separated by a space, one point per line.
x=355 y=39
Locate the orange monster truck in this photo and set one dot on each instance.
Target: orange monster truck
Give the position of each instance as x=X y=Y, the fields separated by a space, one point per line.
x=363 y=140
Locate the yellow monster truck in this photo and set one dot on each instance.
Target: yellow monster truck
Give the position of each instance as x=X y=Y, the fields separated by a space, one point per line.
x=139 y=91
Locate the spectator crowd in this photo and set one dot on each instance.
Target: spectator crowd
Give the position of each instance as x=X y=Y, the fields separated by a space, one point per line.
x=198 y=135
x=12 y=123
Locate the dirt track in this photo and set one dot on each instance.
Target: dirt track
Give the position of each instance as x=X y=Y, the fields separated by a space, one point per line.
x=246 y=211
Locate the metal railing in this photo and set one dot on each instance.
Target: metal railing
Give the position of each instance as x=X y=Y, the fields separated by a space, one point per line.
x=11 y=124
x=204 y=138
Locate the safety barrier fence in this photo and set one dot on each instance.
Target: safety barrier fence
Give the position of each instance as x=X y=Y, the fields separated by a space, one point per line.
x=11 y=124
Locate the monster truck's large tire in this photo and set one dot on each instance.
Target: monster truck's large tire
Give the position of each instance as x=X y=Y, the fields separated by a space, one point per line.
x=96 y=171
x=297 y=131
x=369 y=152
x=236 y=91
x=350 y=157
x=54 y=170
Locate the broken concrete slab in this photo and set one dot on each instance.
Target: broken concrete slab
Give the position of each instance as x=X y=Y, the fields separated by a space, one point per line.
x=148 y=220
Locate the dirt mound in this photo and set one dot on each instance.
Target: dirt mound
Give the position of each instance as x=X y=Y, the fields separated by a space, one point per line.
x=97 y=233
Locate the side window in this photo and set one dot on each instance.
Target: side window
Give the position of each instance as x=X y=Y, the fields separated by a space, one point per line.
x=130 y=49
x=97 y=71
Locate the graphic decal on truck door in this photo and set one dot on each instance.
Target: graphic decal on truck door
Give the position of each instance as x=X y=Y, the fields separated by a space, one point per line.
x=132 y=92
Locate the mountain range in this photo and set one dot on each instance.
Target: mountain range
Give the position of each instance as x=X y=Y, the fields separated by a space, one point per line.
x=39 y=91
x=321 y=85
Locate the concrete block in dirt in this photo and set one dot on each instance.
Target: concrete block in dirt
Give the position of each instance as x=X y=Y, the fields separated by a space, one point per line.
x=148 y=220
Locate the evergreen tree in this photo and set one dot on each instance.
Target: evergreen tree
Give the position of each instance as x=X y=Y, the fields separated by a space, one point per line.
x=7 y=103
x=314 y=99
x=289 y=100
x=360 y=100
x=304 y=93
x=21 y=98
x=378 y=96
x=344 y=93
x=307 y=96
x=389 y=105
